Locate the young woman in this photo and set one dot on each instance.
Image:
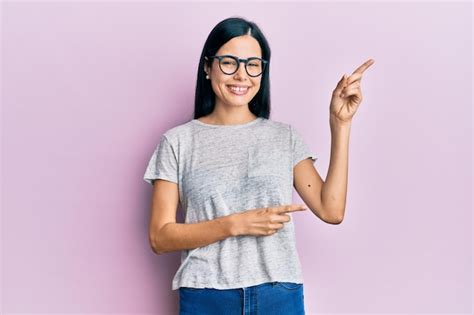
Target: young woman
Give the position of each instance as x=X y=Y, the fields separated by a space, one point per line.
x=233 y=171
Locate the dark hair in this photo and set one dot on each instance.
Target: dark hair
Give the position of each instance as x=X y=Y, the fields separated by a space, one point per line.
x=224 y=31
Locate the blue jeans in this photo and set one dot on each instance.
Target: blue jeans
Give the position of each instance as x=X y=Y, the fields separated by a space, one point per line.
x=273 y=298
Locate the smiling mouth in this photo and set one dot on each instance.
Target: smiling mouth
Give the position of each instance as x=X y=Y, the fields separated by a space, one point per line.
x=236 y=90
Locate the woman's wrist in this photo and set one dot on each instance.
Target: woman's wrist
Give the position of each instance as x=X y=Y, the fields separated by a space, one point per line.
x=335 y=122
x=232 y=225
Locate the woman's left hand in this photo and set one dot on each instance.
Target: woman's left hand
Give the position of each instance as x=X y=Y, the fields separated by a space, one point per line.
x=347 y=95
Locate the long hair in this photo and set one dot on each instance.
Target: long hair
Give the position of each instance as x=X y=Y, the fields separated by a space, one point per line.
x=224 y=31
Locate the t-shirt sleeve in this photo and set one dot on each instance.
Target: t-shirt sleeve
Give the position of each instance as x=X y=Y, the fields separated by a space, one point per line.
x=300 y=149
x=163 y=163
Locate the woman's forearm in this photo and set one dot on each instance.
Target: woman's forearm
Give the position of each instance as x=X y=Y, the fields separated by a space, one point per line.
x=334 y=190
x=180 y=236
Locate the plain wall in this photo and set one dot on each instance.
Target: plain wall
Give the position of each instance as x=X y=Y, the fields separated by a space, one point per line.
x=89 y=87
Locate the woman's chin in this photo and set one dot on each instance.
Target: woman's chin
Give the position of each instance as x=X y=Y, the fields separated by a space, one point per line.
x=242 y=102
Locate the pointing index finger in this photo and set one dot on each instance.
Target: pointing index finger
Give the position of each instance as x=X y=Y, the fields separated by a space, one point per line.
x=364 y=66
x=292 y=207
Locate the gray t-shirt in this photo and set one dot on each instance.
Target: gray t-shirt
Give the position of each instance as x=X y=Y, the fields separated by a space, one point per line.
x=225 y=169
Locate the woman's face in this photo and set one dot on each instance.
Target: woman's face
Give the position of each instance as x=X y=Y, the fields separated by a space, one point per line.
x=242 y=47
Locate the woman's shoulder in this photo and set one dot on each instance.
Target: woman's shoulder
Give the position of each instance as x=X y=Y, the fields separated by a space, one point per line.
x=173 y=134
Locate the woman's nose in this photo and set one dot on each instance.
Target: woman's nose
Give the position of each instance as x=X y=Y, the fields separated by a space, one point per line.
x=241 y=73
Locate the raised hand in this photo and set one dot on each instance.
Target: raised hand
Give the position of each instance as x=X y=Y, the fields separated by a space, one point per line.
x=347 y=95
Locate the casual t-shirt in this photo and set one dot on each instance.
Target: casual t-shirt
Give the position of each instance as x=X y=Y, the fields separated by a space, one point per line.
x=226 y=169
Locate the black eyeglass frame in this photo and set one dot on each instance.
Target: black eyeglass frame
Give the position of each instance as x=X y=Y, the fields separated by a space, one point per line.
x=239 y=60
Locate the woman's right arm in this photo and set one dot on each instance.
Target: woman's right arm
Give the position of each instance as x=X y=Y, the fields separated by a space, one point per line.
x=168 y=236
x=165 y=235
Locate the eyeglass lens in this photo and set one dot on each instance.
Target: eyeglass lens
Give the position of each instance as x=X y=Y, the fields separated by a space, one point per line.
x=229 y=66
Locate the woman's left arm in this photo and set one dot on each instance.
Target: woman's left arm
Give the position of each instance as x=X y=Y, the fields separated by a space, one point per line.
x=334 y=189
x=328 y=199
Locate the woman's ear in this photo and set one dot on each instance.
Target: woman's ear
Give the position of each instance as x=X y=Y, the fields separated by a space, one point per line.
x=206 y=66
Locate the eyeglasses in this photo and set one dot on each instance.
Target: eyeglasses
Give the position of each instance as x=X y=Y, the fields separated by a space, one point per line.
x=230 y=64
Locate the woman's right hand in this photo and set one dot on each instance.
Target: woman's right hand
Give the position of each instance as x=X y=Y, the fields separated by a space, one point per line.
x=262 y=221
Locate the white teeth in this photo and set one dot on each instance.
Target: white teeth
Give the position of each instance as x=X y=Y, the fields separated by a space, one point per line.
x=238 y=89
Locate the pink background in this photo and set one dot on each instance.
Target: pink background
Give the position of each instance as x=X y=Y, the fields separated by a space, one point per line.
x=89 y=87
